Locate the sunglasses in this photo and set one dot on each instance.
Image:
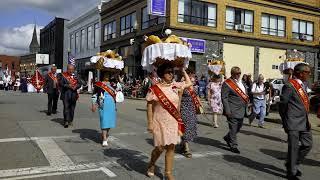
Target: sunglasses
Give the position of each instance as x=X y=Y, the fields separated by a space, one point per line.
x=238 y=73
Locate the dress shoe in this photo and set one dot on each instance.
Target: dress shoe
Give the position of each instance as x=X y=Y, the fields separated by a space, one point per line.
x=227 y=141
x=235 y=150
x=48 y=114
x=54 y=112
x=290 y=177
x=299 y=173
x=66 y=125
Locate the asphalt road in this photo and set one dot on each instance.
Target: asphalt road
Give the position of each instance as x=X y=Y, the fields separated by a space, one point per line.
x=36 y=146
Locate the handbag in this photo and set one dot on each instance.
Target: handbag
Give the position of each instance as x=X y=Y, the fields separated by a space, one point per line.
x=119 y=97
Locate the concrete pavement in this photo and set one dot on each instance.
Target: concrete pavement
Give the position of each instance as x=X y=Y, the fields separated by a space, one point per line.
x=35 y=146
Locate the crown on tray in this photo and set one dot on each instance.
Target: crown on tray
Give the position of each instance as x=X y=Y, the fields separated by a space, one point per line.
x=153 y=39
x=110 y=55
x=217 y=62
x=295 y=56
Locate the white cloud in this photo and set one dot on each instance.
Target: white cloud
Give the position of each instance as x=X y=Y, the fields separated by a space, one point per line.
x=62 y=8
x=16 y=41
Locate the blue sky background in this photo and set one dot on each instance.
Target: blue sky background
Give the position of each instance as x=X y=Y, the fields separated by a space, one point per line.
x=17 y=18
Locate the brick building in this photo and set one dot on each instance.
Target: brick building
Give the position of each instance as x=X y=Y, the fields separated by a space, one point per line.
x=249 y=34
x=12 y=63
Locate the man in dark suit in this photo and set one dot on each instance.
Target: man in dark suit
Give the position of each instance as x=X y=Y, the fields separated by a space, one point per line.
x=234 y=99
x=293 y=109
x=69 y=84
x=51 y=87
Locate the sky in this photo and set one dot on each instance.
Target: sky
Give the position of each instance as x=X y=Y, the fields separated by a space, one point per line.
x=17 y=19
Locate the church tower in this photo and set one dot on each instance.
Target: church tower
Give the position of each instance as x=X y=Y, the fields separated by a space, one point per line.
x=34 y=46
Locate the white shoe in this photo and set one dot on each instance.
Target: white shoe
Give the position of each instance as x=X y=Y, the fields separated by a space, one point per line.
x=105 y=143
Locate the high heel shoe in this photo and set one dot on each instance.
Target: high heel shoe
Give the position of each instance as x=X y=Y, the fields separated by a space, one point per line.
x=150 y=171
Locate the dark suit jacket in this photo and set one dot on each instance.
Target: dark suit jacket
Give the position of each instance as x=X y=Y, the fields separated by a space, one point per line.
x=232 y=102
x=292 y=111
x=48 y=85
x=67 y=93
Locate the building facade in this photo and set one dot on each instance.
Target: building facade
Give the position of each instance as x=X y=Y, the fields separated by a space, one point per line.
x=9 y=65
x=82 y=40
x=249 y=34
x=52 y=41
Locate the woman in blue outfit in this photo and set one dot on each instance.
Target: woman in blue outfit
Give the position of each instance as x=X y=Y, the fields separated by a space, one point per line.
x=104 y=99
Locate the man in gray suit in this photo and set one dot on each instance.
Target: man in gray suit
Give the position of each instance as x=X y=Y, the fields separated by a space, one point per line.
x=293 y=109
x=234 y=99
x=51 y=87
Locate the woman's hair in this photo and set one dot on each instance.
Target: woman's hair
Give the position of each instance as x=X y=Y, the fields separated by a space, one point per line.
x=163 y=67
x=190 y=71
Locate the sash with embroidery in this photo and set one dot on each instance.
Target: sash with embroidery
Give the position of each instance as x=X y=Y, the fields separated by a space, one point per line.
x=107 y=89
x=72 y=81
x=55 y=79
x=169 y=106
x=195 y=100
x=237 y=89
x=302 y=94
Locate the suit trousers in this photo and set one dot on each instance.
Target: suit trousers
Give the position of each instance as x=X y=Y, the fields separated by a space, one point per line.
x=68 y=110
x=296 y=152
x=235 y=125
x=53 y=102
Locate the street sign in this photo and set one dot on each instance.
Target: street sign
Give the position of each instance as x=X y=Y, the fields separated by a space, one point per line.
x=197 y=45
x=157 y=7
x=42 y=58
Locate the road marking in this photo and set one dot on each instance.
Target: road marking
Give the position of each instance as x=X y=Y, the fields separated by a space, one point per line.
x=200 y=155
x=53 y=153
x=35 y=138
x=26 y=173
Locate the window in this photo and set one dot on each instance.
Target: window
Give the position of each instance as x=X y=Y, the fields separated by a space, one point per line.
x=275 y=67
x=72 y=44
x=236 y=16
x=149 y=20
x=127 y=24
x=78 y=42
x=83 y=40
x=273 y=25
x=90 y=39
x=302 y=29
x=197 y=12
x=110 y=30
x=96 y=35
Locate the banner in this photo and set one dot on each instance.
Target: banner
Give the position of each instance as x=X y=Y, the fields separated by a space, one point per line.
x=197 y=45
x=157 y=7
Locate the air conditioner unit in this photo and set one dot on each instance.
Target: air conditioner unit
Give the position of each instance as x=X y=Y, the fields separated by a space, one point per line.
x=239 y=27
x=302 y=37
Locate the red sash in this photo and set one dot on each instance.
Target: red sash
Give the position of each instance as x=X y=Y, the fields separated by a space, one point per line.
x=302 y=94
x=107 y=89
x=52 y=77
x=167 y=105
x=72 y=81
x=37 y=81
x=195 y=100
x=237 y=89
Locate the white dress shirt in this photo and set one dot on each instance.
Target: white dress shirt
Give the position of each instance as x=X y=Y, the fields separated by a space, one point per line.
x=258 y=89
x=241 y=86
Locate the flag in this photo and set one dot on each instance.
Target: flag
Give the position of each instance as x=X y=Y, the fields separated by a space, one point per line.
x=37 y=81
x=72 y=60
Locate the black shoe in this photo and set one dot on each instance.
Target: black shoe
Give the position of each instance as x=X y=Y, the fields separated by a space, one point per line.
x=66 y=125
x=299 y=173
x=48 y=114
x=227 y=141
x=235 y=150
x=290 y=177
x=54 y=112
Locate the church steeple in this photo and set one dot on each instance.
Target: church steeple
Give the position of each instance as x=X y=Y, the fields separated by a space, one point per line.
x=34 y=45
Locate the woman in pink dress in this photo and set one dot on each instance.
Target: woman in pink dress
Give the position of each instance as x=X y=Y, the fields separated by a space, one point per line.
x=214 y=92
x=161 y=124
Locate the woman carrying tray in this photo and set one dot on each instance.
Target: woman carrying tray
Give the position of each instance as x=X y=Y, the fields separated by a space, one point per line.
x=164 y=118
